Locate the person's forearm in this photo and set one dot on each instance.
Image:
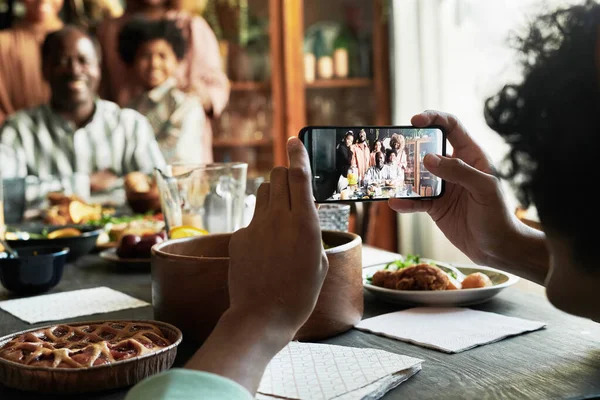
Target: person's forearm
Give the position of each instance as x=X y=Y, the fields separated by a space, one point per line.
x=240 y=348
x=526 y=256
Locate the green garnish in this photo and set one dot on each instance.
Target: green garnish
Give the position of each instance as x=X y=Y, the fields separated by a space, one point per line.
x=448 y=271
x=109 y=219
x=410 y=259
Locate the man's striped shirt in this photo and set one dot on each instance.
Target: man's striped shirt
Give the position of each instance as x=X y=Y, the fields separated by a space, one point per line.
x=116 y=139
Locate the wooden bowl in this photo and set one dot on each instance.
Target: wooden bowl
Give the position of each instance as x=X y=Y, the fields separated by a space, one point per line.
x=189 y=285
x=83 y=380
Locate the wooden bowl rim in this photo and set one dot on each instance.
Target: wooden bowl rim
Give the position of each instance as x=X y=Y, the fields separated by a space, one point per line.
x=159 y=324
x=355 y=240
x=158 y=251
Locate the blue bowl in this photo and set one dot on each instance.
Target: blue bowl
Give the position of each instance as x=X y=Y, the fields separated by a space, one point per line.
x=78 y=246
x=36 y=270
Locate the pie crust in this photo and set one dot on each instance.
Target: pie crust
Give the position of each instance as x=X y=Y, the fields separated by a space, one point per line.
x=84 y=346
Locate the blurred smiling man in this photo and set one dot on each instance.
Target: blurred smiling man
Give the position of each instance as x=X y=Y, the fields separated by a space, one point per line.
x=76 y=131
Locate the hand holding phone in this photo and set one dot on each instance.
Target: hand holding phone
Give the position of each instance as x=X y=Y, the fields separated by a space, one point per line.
x=372 y=162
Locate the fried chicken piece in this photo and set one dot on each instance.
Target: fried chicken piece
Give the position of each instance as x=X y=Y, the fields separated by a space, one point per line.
x=416 y=277
x=384 y=278
x=58 y=215
x=422 y=277
x=60 y=199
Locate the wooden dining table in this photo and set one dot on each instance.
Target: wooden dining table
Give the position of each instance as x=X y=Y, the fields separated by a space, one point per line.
x=561 y=361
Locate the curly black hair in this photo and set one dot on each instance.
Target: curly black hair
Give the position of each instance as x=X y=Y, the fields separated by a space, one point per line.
x=140 y=30
x=54 y=39
x=551 y=119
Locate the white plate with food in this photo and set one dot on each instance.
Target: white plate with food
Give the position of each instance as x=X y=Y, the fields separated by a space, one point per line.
x=418 y=281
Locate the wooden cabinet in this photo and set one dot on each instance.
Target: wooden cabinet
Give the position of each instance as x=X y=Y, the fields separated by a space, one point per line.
x=421 y=180
x=250 y=38
x=265 y=44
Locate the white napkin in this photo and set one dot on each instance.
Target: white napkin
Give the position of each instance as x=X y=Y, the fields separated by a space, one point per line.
x=321 y=372
x=52 y=307
x=450 y=330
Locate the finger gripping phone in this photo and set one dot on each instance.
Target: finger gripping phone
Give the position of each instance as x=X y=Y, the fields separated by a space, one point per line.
x=370 y=163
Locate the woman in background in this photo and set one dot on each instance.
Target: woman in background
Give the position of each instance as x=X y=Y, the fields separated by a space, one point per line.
x=200 y=72
x=398 y=143
x=377 y=147
x=21 y=82
x=343 y=160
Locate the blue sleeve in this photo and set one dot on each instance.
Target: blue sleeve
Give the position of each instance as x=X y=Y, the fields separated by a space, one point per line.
x=186 y=384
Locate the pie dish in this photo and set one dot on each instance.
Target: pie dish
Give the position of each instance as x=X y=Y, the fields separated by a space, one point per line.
x=87 y=356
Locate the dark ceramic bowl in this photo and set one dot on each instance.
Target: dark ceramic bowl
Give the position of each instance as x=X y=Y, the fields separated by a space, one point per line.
x=78 y=246
x=36 y=270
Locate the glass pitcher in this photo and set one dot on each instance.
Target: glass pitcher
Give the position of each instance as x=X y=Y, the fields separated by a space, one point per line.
x=206 y=196
x=352 y=176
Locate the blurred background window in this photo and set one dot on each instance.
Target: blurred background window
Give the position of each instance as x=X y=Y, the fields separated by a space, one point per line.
x=451 y=55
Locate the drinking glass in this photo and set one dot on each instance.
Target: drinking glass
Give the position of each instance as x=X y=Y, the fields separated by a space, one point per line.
x=252 y=185
x=205 y=196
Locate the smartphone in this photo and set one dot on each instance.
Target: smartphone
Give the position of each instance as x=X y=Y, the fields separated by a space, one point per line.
x=370 y=163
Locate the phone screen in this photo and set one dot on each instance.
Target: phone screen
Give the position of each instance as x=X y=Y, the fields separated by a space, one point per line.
x=372 y=163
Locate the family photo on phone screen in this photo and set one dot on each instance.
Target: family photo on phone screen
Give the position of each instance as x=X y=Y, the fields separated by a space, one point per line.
x=354 y=164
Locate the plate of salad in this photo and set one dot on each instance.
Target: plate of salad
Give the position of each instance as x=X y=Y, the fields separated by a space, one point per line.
x=413 y=280
x=115 y=227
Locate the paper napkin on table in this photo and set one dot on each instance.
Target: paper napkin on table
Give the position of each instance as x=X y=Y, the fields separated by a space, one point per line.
x=320 y=372
x=450 y=330
x=57 y=306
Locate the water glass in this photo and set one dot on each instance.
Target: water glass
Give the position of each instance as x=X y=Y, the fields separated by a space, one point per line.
x=205 y=196
x=252 y=185
x=334 y=217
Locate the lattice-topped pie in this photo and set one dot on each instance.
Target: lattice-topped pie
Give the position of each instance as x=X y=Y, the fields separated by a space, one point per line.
x=84 y=346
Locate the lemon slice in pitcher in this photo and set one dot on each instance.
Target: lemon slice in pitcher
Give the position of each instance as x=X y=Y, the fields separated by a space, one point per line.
x=184 y=231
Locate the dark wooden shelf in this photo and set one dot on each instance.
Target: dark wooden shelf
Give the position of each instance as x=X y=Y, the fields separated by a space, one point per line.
x=249 y=86
x=243 y=143
x=340 y=83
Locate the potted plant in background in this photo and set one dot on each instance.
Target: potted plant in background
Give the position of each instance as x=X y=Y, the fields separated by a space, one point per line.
x=243 y=39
